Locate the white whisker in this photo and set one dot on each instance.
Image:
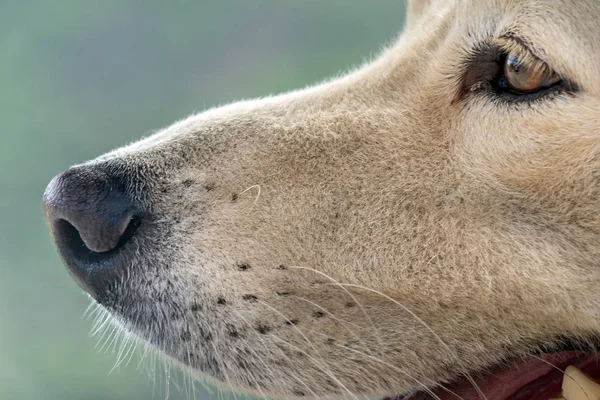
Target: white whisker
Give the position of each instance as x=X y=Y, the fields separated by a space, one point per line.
x=257 y=195
x=335 y=318
x=423 y=386
x=316 y=363
x=325 y=368
x=367 y=316
x=561 y=370
x=222 y=364
x=416 y=317
x=263 y=344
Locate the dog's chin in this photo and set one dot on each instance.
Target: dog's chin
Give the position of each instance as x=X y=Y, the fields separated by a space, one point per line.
x=538 y=376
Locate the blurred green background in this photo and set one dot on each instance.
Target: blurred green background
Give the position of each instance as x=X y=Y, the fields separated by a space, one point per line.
x=79 y=77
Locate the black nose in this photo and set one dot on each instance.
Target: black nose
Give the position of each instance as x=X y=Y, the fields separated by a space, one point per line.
x=91 y=218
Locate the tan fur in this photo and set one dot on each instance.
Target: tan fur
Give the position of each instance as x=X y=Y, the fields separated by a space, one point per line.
x=372 y=234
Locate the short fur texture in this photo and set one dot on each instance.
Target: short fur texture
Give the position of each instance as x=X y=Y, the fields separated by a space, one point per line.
x=377 y=233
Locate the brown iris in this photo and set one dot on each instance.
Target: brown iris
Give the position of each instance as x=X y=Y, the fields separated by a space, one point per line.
x=524 y=79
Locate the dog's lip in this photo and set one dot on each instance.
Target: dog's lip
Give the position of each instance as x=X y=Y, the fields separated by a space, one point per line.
x=531 y=378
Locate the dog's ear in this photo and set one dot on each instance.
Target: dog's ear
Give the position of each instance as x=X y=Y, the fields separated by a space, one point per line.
x=416 y=8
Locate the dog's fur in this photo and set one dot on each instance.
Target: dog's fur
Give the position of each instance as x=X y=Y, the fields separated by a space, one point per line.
x=382 y=231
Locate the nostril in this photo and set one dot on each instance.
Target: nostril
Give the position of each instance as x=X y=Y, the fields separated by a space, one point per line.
x=72 y=241
x=134 y=224
x=69 y=235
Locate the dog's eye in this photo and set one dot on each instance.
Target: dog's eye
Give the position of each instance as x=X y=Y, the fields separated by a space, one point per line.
x=521 y=78
x=511 y=73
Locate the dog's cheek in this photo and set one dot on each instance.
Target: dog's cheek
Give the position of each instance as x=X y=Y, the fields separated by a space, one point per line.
x=560 y=173
x=544 y=159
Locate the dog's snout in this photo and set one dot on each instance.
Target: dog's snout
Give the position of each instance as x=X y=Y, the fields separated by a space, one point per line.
x=91 y=218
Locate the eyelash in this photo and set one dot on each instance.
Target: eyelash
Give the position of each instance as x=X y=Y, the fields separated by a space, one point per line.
x=490 y=80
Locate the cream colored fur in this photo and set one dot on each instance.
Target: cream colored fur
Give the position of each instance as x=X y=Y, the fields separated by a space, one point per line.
x=374 y=234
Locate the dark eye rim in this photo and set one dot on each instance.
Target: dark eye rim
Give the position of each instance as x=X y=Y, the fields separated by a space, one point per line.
x=483 y=75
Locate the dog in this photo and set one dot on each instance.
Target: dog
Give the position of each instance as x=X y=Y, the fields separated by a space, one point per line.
x=426 y=226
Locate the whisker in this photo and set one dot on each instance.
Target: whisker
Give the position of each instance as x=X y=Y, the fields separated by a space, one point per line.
x=153 y=372
x=263 y=344
x=342 y=322
x=561 y=370
x=423 y=386
x=167 y=380
x=257 y=195
x=189 y=380
x=468 y=376
x=332 y=376
x=92 y=309
x=133 y=348
x=222 y=364
x=390 y=365
x=143 y=356
x=308 y=342
x=110 y=339
x=257 y=384
x=88 y=309
x=101 y=321
x=124 y=344
x=377 y=334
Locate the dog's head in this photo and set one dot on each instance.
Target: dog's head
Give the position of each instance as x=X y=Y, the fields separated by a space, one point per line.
x=430 y=215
